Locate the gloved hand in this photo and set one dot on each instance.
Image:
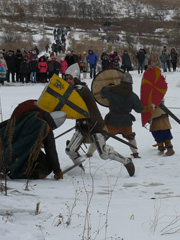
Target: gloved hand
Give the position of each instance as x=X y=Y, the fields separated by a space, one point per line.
x=153 y=106
x=148 y=108
x=58 y=175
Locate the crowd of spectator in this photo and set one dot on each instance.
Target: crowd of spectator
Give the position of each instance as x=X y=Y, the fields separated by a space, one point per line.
x=28 y=66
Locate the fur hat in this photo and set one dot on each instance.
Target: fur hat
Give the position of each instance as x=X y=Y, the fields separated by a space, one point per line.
x=73 y=70
x=59 y=117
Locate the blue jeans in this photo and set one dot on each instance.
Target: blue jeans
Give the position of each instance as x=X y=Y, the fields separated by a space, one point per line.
x=92 y=70
x=164 y=65
x=33 y=76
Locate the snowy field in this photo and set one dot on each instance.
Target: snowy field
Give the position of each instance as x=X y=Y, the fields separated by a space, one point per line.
x=104 y=202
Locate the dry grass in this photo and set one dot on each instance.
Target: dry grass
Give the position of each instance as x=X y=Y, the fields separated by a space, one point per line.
x=162 y=3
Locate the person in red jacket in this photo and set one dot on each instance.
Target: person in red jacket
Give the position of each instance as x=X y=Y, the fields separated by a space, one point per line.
x=112 y=56
x=64 y=66
x=42 y=66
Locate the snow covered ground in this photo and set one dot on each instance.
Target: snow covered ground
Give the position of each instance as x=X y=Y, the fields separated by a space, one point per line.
x=104 y=202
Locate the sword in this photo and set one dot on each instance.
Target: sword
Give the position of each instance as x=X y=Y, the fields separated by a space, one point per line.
x=65 y=132
x=73 y=166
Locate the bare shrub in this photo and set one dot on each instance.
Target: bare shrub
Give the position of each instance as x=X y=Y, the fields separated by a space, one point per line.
x=42 y=43
x=13 y=41
x=6 y=154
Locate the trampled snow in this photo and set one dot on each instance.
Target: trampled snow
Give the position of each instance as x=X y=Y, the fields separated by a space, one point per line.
x=104 y=202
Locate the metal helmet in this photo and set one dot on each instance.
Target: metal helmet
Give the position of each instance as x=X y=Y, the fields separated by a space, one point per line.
x=127 y=78
x=73 y=70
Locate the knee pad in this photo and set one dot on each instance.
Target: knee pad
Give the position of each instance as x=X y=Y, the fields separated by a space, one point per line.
x=100 y=143
x=106 y=151
x=74 y=144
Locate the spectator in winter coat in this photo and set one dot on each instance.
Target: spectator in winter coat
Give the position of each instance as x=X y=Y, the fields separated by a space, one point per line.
x=33 y=68
x=47 y=47
x=164 y=58
x=79 y=59
x=36 y=51
x=63 y=38
x=112 y=56
x=140 y=57
x=174 y=58
x=32 y=129
x=2 y=73
x=18 y=61
x=84 y=64
x=68 y=57
x=42 y=66
x=59 y=44
x=126 y=62
x=111 y=59
x=146 y=60
x=11 y=65
x=104 y=53
x=92 y=59
x=116 y=63
x=24 y=70
x=57 y=66
x=168 y=60
x=63 y=67
x=3 y=61
x=105 y=62
x=73 y=58
x=53 y=46
x=50 y=70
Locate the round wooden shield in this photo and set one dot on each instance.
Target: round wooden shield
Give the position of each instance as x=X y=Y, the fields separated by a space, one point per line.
x=102 y=79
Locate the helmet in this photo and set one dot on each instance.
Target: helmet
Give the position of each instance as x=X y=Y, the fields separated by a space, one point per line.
x=73 y=70
x=127 y=78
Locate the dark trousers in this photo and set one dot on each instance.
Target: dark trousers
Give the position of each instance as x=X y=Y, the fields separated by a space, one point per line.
x=43 y=77
x=174 y=66
x=24 y=77
x=12 y=72
x=18 y=76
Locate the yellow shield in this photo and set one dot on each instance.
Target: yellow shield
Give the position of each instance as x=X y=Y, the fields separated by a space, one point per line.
x=58 y=95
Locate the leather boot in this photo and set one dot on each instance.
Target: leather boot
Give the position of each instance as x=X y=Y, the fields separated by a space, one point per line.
x=161 y=147
x=170 y=152
x=135 y=155
x=169 y=147
x=130 y=168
